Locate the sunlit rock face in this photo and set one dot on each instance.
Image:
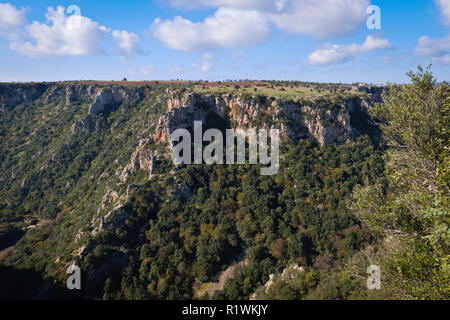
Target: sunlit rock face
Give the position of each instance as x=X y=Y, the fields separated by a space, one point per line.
x=326 y=124
x=107 y=97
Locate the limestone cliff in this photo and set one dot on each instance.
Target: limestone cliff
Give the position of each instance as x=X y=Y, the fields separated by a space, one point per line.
x=142 y=159
x=112 y=96
x=326 y=123
x=12 y=94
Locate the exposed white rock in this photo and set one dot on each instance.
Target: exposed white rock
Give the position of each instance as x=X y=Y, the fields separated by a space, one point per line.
x=110 y=221
x=110 y=197
x=294 y=120
x=109 y=96
x=142 y=159
x=81 y=126
x=288 y=274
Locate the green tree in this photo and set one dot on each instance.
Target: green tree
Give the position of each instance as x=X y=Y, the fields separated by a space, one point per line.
x=410 y=213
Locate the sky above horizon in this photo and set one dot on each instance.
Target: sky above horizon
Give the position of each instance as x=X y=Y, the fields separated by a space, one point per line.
x=306 y=40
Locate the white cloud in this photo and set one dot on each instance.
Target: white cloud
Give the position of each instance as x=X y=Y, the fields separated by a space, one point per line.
x=64 y=35
x=444 y=6
x=437 y=49
x=320 y=19
x=333 y=54
x=11 y=17
x=72 y=35
x=12 y=21
x=228 y=28
x=206 y=64
x=128 y=42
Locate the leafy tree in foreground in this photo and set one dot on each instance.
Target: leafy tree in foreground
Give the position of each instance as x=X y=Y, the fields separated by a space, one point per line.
x=411 y=212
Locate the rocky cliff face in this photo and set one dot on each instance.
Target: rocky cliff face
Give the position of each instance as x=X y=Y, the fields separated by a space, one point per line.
x=100 y=96
x=295 y=120
x=112 y=96
x=183 y=112
x=12 y=95
x=142 y=159
x=326 y=124
x=79 y=93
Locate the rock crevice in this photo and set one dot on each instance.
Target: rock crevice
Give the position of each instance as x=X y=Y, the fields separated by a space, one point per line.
x=326 y=124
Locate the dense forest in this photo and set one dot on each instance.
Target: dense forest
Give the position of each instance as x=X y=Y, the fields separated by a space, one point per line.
x=381 y=198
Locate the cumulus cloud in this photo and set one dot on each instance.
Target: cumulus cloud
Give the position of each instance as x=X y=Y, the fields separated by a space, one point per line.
x=444 y=6
x=333 y=54
x=128 y=42
x=205 y=66
x=437 y=49
x=322 y=19
x=241 y=22
x=12 y=21
x=228 y=28
x=72 y=35
x=11 y=17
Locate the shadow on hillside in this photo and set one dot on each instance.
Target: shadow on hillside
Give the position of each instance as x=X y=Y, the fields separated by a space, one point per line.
x=362 y=122
x=17 y=284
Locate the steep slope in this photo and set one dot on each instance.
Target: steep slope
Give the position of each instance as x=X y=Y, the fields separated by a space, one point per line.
x=86 y=178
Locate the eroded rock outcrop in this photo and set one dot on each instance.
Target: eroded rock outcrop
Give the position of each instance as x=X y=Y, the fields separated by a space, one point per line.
x=80 y=93
x=107 y=97
x=110 y=197
x=99 y=95
x=196 y=107
x=82 y=126
x=326 y=124
x=144 y=158
x=12 y=95
x=111 y=221
x=288 y=275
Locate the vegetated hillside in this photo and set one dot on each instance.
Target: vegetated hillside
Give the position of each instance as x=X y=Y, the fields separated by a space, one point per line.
x=86 y=178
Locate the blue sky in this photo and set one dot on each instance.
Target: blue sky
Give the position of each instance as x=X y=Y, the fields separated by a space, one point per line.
x=324 y=41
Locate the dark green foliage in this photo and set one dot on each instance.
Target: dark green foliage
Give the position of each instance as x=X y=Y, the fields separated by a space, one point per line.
x=164 y=246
